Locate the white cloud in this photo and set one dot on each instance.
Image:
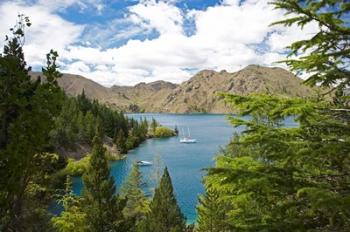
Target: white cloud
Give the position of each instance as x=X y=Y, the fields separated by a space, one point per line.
x=47 y=31
x=161 y=16
x=59 y=5
x=80 y=67
x=226 y=37
x=105 y=35
x=283 y=37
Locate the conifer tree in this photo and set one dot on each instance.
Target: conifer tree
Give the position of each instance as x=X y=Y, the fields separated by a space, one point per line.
x=272 y=176
x=67 y=127
x=72 y=219
x=325 y=56
x=102 y=206
x=154 y=125
x=120 y=141
x=81 y=126
x=293 y=179
x=165 y=215
x=90 y=124
x=83 y=102
x=137 y=204
x=26 y=116
x=211 y=213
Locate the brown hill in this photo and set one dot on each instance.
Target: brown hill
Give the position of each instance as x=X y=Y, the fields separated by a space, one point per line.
x=199 y=94
x=121 y=97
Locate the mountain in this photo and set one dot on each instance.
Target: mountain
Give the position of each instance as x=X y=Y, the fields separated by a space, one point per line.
x=198 y=94
x=121 y=97
x=144 y=97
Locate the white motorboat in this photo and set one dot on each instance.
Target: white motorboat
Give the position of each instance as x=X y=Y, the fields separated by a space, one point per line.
x=188 y=140
x=143 y=163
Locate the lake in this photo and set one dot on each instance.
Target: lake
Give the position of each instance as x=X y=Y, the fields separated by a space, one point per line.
x=185 y=162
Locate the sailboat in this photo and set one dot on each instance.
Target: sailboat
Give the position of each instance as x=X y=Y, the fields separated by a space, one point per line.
x=187 y=139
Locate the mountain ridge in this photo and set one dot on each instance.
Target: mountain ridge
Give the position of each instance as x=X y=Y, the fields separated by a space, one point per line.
x=198 y=94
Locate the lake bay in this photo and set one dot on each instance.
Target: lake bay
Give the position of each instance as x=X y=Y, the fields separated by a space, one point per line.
x=184 y=161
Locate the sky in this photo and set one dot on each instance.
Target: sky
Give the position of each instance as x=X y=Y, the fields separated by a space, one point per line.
x=124 y=42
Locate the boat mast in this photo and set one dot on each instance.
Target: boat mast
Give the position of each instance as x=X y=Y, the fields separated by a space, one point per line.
x=189 y=135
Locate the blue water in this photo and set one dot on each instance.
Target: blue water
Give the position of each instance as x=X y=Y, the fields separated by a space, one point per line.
x=185 y=162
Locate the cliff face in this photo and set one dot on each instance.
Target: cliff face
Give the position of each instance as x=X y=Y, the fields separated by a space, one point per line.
x=199 y=94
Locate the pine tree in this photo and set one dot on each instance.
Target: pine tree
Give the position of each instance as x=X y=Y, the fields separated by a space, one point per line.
x=327 y=56
x=293 y=179
x=143 y=130
x=102 y=207
x=72 y=219
x=90 y=124
x=81 y=126
x=83 y=102
x=211 y=213
x=275 y=178
x=154 y=125
x=27 y=110
x=67 y=127
x=120 y=141
x=137 y=204
x=165 y=215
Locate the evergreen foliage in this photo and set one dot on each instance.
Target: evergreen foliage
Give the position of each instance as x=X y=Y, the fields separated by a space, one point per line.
x=154 y=125
x=327 y=57
x=36 y=118
x=137 y=204
x=138 y=133
x=165 y=215
x=72 y=219
x=120 y=141
x=211 y=213
x=272 y=178
x=102 y=207
x=27 y=108
x=292 y=179
x=78 y=118
x=269 y=178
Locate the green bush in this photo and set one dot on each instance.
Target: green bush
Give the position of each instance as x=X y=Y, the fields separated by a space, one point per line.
x=77 y=167
x=163 y=132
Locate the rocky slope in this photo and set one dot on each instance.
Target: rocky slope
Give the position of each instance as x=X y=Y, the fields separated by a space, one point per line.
x=199 y=94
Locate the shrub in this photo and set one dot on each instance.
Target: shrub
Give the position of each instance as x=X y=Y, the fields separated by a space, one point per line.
x=163 y=132
x=77 y=167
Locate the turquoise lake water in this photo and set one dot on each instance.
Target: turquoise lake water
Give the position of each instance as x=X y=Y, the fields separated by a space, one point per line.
x=185 y=162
